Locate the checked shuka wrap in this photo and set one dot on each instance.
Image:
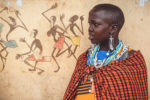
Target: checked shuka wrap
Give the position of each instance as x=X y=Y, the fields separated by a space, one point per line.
x=120 y=80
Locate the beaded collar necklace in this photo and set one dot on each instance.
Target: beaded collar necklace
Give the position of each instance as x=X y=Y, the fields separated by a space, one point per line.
x=115 y=55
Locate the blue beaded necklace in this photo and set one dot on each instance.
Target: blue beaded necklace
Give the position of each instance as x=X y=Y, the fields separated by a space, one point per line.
x=93 y=52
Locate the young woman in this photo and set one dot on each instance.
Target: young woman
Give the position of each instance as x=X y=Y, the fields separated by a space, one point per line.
x=108 y=69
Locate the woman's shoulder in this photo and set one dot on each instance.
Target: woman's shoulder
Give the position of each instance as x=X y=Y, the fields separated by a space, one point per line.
x=131 y=51
x=83 y=54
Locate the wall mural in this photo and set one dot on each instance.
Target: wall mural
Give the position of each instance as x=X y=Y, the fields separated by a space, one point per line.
x=62 y=32
x=66 y=38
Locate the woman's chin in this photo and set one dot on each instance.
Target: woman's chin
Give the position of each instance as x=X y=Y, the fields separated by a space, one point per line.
x=93 y=41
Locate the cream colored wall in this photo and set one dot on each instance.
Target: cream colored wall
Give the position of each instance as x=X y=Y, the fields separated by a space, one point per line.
x=17 y=82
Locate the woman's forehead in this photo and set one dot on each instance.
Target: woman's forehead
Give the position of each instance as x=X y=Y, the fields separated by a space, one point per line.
x=100 y=15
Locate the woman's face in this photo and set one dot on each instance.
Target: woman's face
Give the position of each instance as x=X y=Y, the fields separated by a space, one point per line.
x=99 y=26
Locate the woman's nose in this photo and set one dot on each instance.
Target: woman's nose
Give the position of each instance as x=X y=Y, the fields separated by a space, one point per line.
x=91 y=28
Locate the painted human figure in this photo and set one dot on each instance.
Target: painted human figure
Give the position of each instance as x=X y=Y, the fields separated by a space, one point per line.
x=13 y=24
x=34 y=54
x=54 y=30
x=76 y=38
x=4 y=45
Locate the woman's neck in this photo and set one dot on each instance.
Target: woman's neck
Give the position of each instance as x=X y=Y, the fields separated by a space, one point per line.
x=105 y=45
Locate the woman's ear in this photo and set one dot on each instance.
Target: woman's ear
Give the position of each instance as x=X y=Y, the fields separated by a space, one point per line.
x=114 y=29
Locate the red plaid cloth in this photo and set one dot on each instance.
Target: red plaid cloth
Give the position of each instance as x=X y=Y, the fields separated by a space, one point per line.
x=120 y=80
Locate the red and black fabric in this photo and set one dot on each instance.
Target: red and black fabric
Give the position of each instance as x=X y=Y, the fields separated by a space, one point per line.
x=120 y=80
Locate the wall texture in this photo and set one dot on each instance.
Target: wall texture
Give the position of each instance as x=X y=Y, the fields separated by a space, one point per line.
x=33 y=66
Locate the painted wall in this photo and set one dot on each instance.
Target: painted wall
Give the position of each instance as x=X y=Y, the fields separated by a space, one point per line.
x=36 y=67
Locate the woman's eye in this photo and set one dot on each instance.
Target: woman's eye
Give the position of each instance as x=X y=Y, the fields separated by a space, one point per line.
x=96 y=25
